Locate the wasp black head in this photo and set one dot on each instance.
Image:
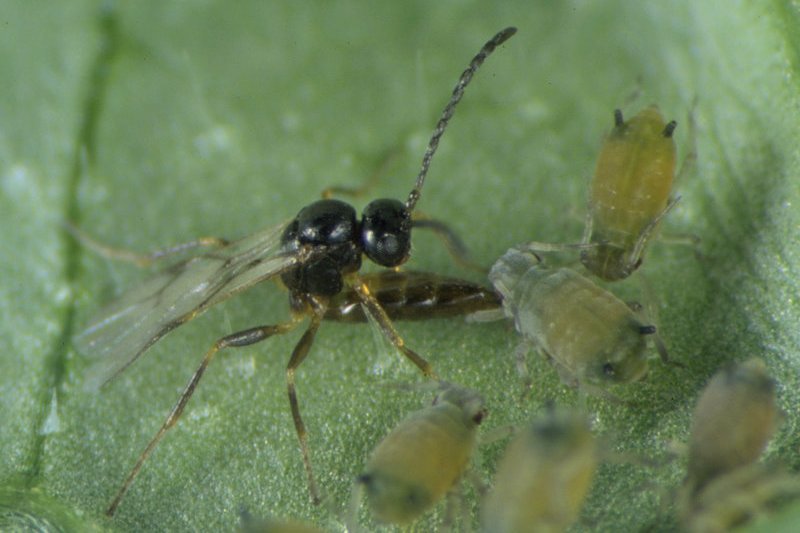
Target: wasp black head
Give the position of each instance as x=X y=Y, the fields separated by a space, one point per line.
x=386 y=232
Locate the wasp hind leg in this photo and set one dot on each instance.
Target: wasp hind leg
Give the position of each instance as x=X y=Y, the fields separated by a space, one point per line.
x=235 y=340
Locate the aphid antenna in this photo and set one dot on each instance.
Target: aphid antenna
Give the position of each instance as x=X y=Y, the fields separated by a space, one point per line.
x=458 y=92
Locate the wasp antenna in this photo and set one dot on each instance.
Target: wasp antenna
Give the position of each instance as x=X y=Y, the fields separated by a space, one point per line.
x=458 y=92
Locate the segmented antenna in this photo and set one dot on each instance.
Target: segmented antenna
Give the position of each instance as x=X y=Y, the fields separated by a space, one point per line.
x=458 y=92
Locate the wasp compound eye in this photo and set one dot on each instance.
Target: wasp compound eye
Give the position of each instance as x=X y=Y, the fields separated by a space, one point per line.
x=386 y=232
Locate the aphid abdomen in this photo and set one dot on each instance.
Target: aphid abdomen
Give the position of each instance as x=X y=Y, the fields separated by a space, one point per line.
x=590 y=334
x=630 y=191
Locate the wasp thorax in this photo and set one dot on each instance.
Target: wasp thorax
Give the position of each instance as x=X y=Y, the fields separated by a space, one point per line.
x=328 y=223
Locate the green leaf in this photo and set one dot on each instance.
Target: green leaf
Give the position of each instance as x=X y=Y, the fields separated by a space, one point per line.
x=153 y=123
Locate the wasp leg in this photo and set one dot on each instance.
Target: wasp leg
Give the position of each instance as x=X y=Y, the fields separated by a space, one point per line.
x=452 y=242
x=138 y=259
x=298 y=356
x=373 y=307
x=235 y=340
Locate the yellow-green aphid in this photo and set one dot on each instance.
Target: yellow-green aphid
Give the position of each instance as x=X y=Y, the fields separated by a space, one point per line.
x=424 y=457
x=543 y=477
x=591 y=336
x=630 y=193
x=733 y=421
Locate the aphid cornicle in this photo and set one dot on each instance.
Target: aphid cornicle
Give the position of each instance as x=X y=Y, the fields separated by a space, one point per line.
x=423 y=457
x=630 y=193
x=317 y=256
x=543 y=477
x=732 y=423
x=591 y=337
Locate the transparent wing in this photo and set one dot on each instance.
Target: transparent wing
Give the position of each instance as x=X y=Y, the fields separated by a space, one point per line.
x=144 y=314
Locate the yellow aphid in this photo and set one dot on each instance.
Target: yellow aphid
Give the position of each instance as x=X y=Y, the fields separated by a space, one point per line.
x=543 y=477
x=424 y=457
x=733 y=421
x=591 y=337
x=630 y=193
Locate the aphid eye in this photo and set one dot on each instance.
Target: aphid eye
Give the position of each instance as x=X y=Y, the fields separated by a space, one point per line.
x=479 y=416
x=609 y=370
x=386 y=232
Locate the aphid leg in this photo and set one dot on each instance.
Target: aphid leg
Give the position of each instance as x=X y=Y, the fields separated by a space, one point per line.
x=452 y=242
x=651 y=313
x=454 y=507
x=298 y=356
x=496 y=433
x=690 y=159
x=588 y=223
x=521 y=360
x=374 y=309
x=549 y=247
x=356 y=495
x=586 y=389
x=235 y=340
x=647 y=232
x=138 y=259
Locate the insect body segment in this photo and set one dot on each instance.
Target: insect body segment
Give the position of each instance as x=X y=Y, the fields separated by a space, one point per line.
x=543 y=477
x=591 y=336
x=630 y=193
x=414 y=295
x=424 y=457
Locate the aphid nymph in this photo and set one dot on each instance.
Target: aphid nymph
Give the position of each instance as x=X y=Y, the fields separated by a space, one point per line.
x=733 y=420
x=591 y=337
x=543 y=477
x=317 y=256
x=630 y=193
x=423 y=457
x=732 y=423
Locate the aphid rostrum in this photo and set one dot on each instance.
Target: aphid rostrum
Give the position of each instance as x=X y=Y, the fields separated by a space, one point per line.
x=317 y=256
x=543 y=477
x=590 y=336
x=423 y=457
x=732 y=423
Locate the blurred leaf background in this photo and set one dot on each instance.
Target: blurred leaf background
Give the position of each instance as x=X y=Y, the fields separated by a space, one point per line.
x=151 y=123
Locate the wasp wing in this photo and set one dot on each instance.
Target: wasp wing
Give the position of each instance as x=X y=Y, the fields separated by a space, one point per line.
x=141 y=316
